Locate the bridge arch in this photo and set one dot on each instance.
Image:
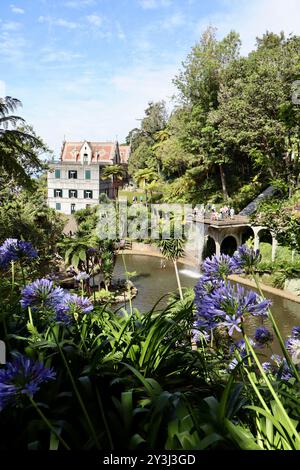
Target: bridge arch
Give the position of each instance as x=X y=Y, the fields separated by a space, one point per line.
x=247 y=234
x=209 y=247
x=263 y=234
x=229 y=244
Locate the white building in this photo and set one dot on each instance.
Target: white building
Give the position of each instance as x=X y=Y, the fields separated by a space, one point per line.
x=74 y=182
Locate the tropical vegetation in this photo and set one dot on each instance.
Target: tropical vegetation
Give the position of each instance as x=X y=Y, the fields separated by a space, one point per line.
x=85 y=373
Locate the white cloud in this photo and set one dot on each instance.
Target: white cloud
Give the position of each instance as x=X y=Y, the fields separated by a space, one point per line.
x=17 y=10
x=2 y=88
x=12 y=47
x=103 y=114
x=11 y=26
x=95 y=20
x=50 y=56
x=173 y=21
x=66 y=24
x=120 y=32
x=252 y=19
x=79 y=3
x=58 y=22
x=151 y=4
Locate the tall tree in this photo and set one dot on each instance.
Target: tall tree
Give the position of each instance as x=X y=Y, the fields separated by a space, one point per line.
x=256 y=116
x=199 y=83
x=116 y=173
x=20 y=148
x=143 y=139
x=143 y=177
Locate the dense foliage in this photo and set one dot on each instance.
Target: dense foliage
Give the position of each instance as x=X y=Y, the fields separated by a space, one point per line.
x=20 y=148
x=235 y=128
x=83 y=377
x=24 y=214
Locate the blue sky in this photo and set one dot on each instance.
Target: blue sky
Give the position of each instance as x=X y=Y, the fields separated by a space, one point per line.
x=86 y=69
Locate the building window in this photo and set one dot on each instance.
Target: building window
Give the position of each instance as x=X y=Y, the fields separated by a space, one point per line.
x=58 y=193
x=87 y=174
x=58 y=206
x=72 y=175
x=73 y=193
x=73 y=206
x=57 y=174
x=85 y=158
x=88 y=194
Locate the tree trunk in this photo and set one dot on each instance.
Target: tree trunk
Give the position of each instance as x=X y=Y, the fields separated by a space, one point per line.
x=223 y=180
x=115 y=186
x=178 y=279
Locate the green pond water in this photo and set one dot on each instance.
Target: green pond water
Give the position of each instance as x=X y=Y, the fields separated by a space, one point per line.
x=154 y=282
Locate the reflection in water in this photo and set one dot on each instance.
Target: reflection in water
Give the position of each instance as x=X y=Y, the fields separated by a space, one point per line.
x=154 y=283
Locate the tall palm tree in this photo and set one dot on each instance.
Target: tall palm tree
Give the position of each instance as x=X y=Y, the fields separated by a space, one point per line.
x=172 y=249
x=116 y=172
x=19 y=146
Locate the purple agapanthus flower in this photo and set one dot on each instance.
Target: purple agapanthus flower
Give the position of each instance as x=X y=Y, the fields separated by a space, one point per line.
x=82 y=276
x=42 y=293
x=16 y=250
x=220 y=267
x=296 y=332
x=233 y=323
x=293 y=347
x=73 y=307
x=268 y=367
x=240 y=346
x=263 y=336
x=205 y=286
x=230 y=301
x=246 y=257
x=20 y=377
x=199 y=336
x=279 y=368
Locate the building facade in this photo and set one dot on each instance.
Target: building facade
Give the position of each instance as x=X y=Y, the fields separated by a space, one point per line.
x=74 y=182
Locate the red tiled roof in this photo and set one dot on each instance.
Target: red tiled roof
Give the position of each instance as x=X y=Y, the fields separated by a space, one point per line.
x=101 y=151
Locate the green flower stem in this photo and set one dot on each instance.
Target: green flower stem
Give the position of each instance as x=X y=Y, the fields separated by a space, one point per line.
x=94 y=293
x=77 y=393
x=47 y=422
x=12 y=276
x=277 y=332
x=30 y=316
x=82 y=343
x=127 y=279
x=289 y=424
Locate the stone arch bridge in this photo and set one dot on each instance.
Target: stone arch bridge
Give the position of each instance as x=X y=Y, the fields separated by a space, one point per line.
x=225 y=236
